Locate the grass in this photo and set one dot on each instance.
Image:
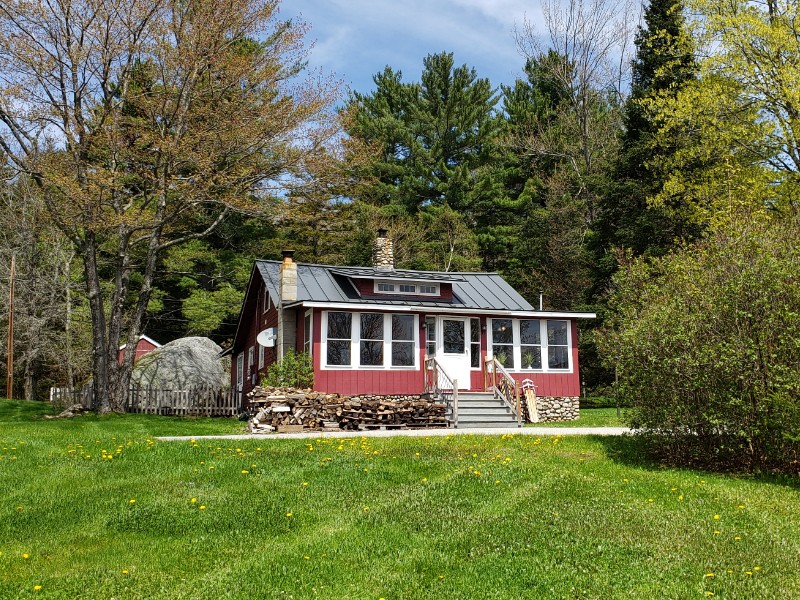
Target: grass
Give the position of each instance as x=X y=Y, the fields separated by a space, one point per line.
x=589 y=417
x=96 y=508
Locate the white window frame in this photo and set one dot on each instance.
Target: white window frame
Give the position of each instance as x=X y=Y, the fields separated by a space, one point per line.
x=308 y=332
x=355 y=344
x=240 y=371
x=260 y=357
x=517 y=345
x=251 y=354
x=395 y=285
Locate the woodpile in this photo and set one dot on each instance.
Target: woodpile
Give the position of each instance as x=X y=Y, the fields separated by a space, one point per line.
x=289 y=409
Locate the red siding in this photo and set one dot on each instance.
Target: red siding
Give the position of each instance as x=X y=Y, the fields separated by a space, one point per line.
x=143 y=347
x=254 y=320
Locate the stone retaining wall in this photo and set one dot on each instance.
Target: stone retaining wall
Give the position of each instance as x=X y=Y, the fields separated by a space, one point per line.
x=557 y=408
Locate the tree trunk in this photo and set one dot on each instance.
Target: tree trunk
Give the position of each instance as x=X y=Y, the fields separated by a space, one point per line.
x=101 y=400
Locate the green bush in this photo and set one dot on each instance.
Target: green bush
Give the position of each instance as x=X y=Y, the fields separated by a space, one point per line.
x=294 y=370
x=706 y=343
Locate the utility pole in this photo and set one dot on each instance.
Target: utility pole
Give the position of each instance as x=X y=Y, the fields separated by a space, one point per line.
x=10 y=366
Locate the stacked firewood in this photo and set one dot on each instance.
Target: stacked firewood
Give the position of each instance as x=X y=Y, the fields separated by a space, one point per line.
x=288 y=409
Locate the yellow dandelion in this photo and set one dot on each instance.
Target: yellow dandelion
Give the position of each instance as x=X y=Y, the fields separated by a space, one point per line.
x=36 y=588
x=25 y=555
x=680 y=497
x=305 y=483
x=717 y=532
x=306 y=558
x=716 y=517
x=741 y=506
x=756 y=568
x=202 y=507
x=424 y=479
x=748 y=572
x=709 y=574
x=132 y=501
x=194 y=500
x=709 y=594
x=366 y=508
x=245 y=472
x=649 y=499
x=289 y=514
x=124 y=571
x=737 y=538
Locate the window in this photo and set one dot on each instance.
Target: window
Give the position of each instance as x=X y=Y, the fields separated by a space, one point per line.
x=240 y=371
x=475 y=343
x=532 y=344
x=251 y=353
x=530 y=337
x=503 y=342
x=338 y=338
x=307 y=333
x=403 y=340
x=453 y=336
x=266 y=300
x=260 y=357
x=370 y=340
x=430 y=335
x=415 y=289
x=557 y=345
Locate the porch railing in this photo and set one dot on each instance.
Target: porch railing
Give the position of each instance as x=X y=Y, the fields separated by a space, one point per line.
x=438 y=384
x=503 y=386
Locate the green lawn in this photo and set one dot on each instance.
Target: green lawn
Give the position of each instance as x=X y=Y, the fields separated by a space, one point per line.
x=96 y=508
x=590 y=417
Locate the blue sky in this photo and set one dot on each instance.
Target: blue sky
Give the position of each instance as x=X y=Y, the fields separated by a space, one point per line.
x=357 y=38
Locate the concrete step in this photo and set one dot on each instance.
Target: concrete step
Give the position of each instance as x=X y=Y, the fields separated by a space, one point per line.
x=484 y=410
x=486 y=424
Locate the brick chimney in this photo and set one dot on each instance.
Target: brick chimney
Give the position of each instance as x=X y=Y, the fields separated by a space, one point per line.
x=288 y=277
x=383 y=252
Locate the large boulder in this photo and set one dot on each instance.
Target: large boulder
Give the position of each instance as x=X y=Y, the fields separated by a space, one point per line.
x=181 y=364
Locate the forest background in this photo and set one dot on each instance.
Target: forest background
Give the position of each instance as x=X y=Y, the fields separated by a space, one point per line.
x=634 y=137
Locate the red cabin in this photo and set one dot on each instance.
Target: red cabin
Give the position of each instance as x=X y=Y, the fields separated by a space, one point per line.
x=370 y=330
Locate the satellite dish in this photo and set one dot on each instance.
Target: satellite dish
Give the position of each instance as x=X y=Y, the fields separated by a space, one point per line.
x=267 y=337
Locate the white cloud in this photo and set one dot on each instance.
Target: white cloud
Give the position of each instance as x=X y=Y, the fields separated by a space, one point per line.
x=357 y=38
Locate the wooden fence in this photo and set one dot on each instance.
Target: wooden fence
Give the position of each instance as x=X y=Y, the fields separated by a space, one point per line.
x=196 y=401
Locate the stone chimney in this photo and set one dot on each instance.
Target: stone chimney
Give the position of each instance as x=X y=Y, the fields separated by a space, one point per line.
x=383 y=252
x=288 y=277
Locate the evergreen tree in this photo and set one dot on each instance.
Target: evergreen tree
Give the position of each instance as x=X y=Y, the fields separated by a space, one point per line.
x=664 y=62
x=436 y=145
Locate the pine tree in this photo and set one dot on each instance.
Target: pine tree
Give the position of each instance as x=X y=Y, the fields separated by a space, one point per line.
x=437 y=142
x=664 y=62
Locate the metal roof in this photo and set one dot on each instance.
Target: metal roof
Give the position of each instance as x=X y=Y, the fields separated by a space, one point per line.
x=331 y=284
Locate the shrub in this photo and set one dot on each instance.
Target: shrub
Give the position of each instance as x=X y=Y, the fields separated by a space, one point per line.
x=706 y=343
x=294 y=370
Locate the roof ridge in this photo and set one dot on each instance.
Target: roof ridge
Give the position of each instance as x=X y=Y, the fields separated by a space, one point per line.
x=327 y=266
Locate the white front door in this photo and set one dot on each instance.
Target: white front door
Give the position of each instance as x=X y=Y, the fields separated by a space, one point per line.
x=452 y=349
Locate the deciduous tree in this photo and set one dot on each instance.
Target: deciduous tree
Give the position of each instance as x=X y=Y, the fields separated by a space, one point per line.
x=145 y=123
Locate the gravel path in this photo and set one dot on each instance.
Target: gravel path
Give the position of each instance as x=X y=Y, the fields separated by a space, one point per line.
x=540 y=431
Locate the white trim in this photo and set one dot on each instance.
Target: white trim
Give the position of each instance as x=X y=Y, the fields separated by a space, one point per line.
x=396 y=283
x=240 y=371
x=260 y=357
x=398 y=308
x=355 y=343
x=310 y=333
x=267 y=302
x=146 y=339
x=517 y=346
